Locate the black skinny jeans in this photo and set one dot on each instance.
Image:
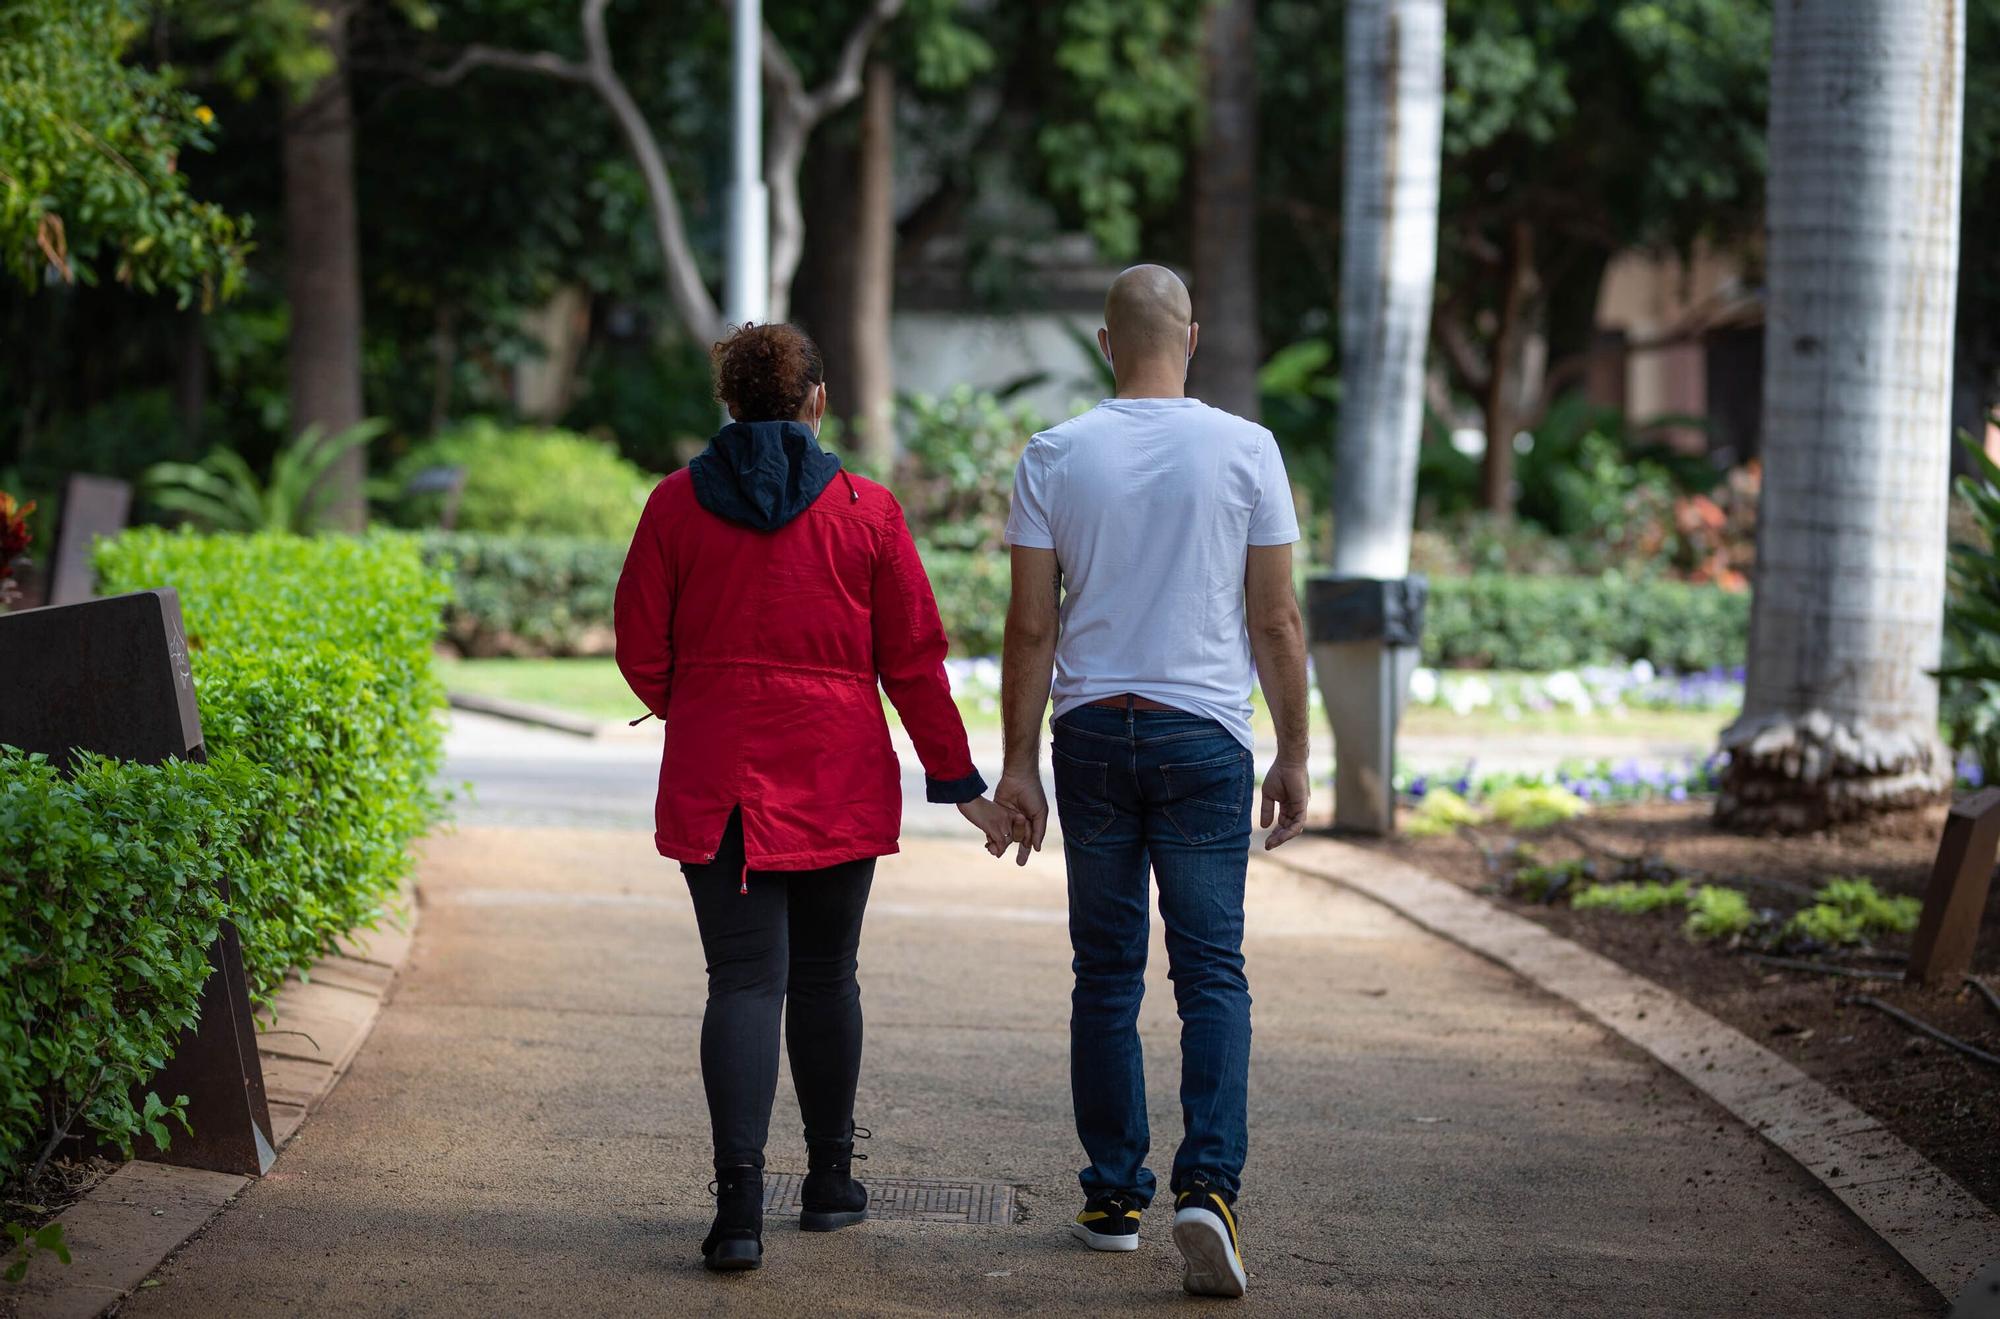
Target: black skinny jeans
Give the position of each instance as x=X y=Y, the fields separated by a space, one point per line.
x=785 y=947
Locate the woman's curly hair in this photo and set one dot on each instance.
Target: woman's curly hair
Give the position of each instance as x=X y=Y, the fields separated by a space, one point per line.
x=764 y=372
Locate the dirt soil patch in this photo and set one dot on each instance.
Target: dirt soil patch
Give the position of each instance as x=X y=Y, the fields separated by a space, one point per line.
x=1941 y=1102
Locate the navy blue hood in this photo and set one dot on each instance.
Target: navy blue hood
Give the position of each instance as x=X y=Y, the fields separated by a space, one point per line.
x=762 y=473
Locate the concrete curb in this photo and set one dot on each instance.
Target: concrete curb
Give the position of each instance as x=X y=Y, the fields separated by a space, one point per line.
x=1930 y=1220
x=134 y=1219
x=537 y=716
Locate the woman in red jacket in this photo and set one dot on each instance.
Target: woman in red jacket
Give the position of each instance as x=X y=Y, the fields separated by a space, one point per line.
x=765 y=594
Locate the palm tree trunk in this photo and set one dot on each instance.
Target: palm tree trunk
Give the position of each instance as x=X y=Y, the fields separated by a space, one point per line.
x=1224 y=371
x=1395 y=114
x=1840 y=714
x=323 y=270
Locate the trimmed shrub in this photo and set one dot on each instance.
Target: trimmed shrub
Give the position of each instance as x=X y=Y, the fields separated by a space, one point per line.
x=527 y=595
x=530 y=481
x=313 y=663
x=109 y=902
x=1545 y=623
x=110 y=889
x=551 y=595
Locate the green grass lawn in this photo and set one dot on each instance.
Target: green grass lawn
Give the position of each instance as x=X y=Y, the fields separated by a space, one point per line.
x=593 y=687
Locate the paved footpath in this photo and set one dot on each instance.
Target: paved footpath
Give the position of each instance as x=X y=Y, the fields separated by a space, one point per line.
x=524 y=1133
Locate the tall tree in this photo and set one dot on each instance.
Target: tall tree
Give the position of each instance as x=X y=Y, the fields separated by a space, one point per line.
x=1659 y=103
x=792 y=111
x=323 y=268
x=1224 y=372
x=1840 y=711
x=1389 y=226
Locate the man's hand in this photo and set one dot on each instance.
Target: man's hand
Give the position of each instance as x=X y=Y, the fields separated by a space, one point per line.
x=1022 y=795
x=1286 y=792
x=1001 y=826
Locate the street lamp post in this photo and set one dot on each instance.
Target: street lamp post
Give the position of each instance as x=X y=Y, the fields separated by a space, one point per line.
x=746 y=293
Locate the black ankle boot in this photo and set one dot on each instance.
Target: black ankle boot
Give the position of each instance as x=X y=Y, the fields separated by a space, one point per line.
x=736 y=1241
x=831 y=1197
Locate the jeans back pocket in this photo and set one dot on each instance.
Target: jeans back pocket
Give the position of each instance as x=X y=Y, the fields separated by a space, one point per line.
x=1208 y=799
x=1083 y=795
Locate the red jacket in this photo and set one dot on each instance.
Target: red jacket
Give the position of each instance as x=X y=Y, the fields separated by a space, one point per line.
x=764 y=594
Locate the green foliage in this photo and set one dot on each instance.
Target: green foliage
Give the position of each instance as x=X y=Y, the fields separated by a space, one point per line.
x=1115 y=131
x=1632 y=898
x=552 y=595
x=527 y=595
x=1716 y=912
x=224 y=494
x=1535 y=881
x=1547 y=623
x=110 y=890
x=1850 y=909
x=312 y=664
x=1535 y=806
x=530 y=481
x=1971 y=677
x=972 y=590
x=1441 y=811
x=958 y=451
x=89 y=149
x=49 y=1239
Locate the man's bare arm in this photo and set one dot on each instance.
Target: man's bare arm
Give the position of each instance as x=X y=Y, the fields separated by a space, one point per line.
x=1278 y=641
x=1027 y=664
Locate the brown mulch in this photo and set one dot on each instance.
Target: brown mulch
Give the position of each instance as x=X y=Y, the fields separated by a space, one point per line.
x=1941 y=1102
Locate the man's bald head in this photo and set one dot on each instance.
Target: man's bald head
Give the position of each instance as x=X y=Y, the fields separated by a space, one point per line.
x=1146 y=315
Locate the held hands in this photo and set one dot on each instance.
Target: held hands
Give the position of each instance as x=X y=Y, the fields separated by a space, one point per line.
x=1021 y=795
x=1001 y=826
x=1286 y=792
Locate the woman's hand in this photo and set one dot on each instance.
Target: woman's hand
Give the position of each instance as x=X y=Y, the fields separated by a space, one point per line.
x=1002 y=827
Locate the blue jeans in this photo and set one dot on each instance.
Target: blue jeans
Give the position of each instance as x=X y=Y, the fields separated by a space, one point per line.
x=1172 y=789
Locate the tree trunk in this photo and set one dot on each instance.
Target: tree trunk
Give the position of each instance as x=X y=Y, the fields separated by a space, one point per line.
x=872 y=410
x=1840 y=713
x=1501 y=405
x=823 y=292
x=1395 y=115
x=1224 y=370
x=323 y=271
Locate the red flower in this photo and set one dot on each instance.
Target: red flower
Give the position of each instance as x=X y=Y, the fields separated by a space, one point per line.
x=14 y=534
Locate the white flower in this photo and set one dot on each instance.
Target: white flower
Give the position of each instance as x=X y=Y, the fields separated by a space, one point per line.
x=1467 y=695
x=1424 y=686
x=1643 y=671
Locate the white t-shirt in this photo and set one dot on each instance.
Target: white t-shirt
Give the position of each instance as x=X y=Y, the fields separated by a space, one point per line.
x=1151 y=505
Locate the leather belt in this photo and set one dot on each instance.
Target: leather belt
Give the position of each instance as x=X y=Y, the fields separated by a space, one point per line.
x=1131 y=702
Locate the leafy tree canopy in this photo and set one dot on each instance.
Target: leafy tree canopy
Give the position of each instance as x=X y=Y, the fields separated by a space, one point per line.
x=90 y=145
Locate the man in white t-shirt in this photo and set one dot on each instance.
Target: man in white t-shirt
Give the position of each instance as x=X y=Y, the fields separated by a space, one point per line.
x=1152 y=560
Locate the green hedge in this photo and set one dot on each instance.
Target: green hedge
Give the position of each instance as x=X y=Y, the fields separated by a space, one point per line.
x=312 y=660
x=1545 y=623
x=529 y=480
x=552 y=595
x=527 y=595
x=319 y=699
x=109 y=896
x=547 y=595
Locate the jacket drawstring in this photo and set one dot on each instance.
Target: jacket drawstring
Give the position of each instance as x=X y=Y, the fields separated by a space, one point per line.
x=744 y=888
x=856 y=494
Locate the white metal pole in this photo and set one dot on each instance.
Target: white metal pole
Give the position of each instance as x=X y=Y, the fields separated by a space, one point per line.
x=746 y=293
